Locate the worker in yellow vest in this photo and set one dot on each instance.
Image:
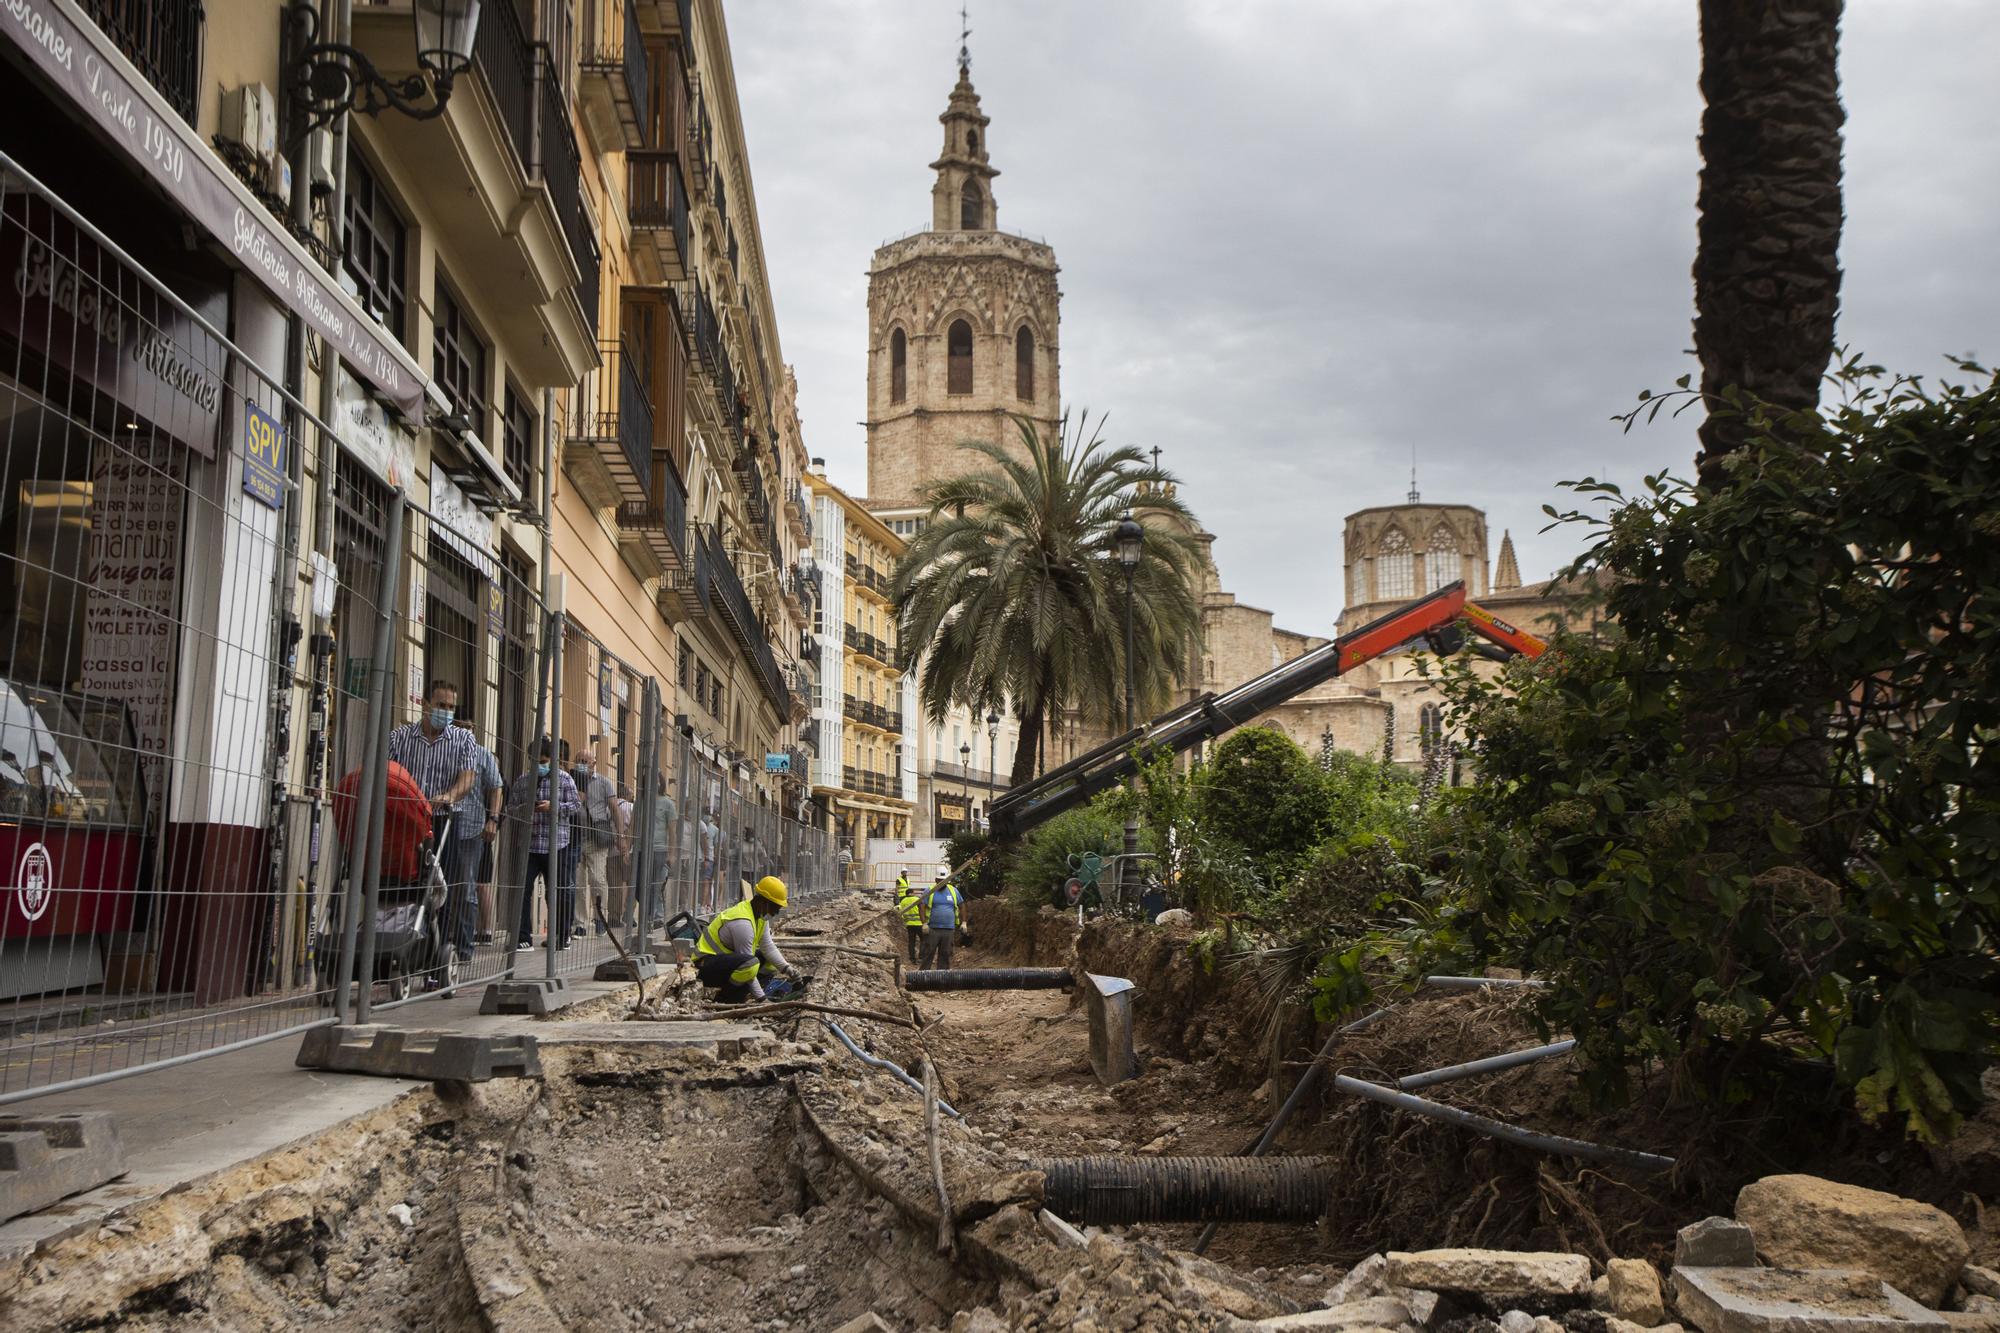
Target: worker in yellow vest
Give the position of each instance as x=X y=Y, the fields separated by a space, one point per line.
x=943 y=911
x=910 y=904
x=736 y=951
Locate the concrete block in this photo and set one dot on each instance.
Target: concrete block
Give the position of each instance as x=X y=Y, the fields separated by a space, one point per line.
x=1809 y=1223
x=1108 y=1001
x=537 y=996
x=394 y=1053
x=640 y=967
x=1715 y=1242
x=1495 y=1281
x=1790 y=1300
x=46 y=1158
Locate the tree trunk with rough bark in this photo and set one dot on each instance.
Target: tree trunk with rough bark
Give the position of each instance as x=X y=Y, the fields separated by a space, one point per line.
x=1767 y=263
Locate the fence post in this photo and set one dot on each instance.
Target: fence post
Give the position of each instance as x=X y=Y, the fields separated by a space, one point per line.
x=645 y=854
x=556 y=770
x=378 y=747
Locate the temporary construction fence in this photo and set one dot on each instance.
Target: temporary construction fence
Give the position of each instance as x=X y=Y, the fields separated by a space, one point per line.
x=204 y=843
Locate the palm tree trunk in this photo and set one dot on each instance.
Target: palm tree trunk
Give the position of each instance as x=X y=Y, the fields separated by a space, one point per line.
x=1767 y=262
x=1030 y=743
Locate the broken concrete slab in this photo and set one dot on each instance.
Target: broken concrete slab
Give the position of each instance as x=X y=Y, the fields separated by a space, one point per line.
x=1806 y=1222
x=1968 y=1321
x=1788 y=1300
x=641 y=967
x=1715 y=1242
x=387 y=1052
x=47 y=1158
x=727 y=1040
x=1109 y=1002
x=1494 y=1281
x=865 y=1323
x=536 y=996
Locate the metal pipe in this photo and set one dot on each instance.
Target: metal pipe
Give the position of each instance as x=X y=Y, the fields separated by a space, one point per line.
x=556 y=771
x=990 y=978
x=1481 y=983
x=1491 y=1064
x=895 y=1070
x=1114 y=1191
x=395 y=530
x=1498 y=1129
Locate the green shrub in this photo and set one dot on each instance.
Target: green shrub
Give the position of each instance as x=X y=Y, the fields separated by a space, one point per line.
x=984 y=878
x=1262 y=793
x=1768 y=814
x=1043 y=859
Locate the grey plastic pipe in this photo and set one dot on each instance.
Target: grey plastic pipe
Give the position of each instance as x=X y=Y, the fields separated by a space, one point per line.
x=1492 y=1064
x=873 y=1062
x=1554 y=1144
x=1481 y=983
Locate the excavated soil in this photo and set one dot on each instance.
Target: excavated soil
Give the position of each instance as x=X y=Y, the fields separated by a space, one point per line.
x=792 y=1187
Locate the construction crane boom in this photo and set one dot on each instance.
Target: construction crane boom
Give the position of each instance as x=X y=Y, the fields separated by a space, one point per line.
x=1440 y=620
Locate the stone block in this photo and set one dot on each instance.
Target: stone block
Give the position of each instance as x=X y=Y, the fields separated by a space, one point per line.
x=1368 y=1278
x=1634 y=1292
x=536 y=996
x=640 y=967
x=1494 y=1281
x=1715 y=1242
x=1807 y=1222
x=1968 y=1321
x=394 y=1053
x=1979 y=1280
x=1787 y=1300
x=46 y=1158
x=864 y=1323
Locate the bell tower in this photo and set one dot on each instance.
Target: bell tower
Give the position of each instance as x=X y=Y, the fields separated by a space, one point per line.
x=962 y=326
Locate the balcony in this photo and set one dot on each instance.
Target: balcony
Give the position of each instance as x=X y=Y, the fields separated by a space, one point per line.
x=163 y=39
x=611 y=431
x=659 y=213
x=724 y=596
x=668 y=17
x=809 y=735
x=808 y=645
x=868 y=577
x=870 y=782
x=873 y=715
x=870 y=646
x=653 y=536
x=614 y=84
x=521 y=235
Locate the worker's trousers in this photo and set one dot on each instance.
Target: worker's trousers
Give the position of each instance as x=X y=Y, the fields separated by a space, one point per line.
x=713 y=969
x=937 y=948
x=916 y=941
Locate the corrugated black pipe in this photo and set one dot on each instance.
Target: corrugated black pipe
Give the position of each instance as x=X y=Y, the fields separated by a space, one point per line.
x=1113 y=1191
x=990 y=978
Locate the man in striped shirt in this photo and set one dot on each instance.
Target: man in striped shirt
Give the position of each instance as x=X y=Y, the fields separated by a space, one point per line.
x=443 y=759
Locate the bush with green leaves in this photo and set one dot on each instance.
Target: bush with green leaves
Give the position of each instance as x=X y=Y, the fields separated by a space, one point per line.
x=1260 y=791
x=1764 y=821
x=1043 y=859
x=980 y=879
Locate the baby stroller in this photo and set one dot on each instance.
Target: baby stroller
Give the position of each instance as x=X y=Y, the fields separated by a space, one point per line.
x=410 y=939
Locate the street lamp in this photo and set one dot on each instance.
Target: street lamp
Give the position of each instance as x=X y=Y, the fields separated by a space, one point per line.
x=1131 y=538
x=330 y=79
x=965 y=778
x=992 y=754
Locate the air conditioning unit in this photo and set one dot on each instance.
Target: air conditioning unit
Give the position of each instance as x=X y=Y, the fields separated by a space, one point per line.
x=250 y=118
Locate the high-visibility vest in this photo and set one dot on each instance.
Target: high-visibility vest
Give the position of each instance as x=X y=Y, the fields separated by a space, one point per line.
x=910 y=904
x=954 y=907
x=711 y=938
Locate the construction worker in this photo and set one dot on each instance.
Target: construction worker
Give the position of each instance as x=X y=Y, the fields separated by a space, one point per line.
x=944 y=920
x=910 y=904
x=736 y=951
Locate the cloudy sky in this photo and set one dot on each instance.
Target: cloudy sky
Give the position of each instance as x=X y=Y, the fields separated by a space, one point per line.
x=1302 y=240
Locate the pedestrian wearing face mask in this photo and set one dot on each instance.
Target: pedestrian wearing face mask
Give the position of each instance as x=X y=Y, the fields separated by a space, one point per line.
x=444 y=760
x=551 y=796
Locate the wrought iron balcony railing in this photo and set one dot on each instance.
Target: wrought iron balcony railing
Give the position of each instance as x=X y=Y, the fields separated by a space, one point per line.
x=163 y=38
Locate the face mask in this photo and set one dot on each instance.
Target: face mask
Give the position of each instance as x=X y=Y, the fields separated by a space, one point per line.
x=542 y=770
x=441 y=717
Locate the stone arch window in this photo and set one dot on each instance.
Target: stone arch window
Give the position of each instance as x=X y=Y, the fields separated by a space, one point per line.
x=1024 y=362
x=1441 y=560
x=958 y=348
x=971 y=207
x=1395 y=568
x=1430 y=727
x=899 y=367
x=972 y=142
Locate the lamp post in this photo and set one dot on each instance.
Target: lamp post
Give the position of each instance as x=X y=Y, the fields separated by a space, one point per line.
x=1131 y=541
x=992 y=757
x=330 y=79
x=965 y=779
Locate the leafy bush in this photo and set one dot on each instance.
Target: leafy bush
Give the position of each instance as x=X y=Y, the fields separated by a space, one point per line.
x=1769 y=812
x=1043 y=859
x=984 y=878
x=1261 y=792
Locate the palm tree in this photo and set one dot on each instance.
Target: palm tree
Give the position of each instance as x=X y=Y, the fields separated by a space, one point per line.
x=1767 y=259
x=1013 y=588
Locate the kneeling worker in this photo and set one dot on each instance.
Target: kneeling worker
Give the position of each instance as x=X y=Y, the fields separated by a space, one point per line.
x=736 y=950
x=910 y=904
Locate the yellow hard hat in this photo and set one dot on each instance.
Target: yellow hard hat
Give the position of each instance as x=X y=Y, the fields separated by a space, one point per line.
x=771 y=887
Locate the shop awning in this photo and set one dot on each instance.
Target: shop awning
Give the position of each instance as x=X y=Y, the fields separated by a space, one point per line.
x=69 y=52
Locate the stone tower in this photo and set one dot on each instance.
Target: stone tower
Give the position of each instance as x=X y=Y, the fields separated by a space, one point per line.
x=962 y=325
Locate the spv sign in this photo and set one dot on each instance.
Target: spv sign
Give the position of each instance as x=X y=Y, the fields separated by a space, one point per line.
x=263 y=457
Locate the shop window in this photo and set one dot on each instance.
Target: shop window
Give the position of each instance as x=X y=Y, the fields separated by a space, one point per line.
x=452 y=637
x=375 y=248
x=959 y=349
x=459 y=358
